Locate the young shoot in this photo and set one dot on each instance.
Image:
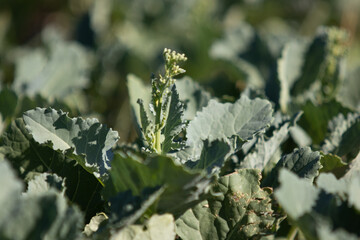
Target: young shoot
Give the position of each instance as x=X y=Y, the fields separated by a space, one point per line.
x=162 y=90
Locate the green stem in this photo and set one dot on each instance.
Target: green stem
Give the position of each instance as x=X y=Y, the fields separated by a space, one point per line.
x=158 y=106
x=158 y=141
x=292 y=233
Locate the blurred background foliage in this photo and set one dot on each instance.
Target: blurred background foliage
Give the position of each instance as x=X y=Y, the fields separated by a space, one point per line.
x=76 y=54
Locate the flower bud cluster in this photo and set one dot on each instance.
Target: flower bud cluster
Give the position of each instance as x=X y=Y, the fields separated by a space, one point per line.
x=172 y=58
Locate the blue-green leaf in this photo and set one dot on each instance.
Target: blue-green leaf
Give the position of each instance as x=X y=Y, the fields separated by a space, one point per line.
x=174 y=123
x=242 y=119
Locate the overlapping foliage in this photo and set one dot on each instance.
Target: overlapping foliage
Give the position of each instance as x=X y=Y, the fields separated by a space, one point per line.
x=278 y=157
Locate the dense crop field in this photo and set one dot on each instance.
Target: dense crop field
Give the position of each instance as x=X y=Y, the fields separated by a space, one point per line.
x=192 y=119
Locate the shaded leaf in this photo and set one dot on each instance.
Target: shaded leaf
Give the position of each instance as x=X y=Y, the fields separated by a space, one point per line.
x=43 y=216
x=28 y=156
x=90 y=140
x=322 y=62
x=182 y=188
x=265 y=149
x=303 y=162
x=240 y=209
x=316 y=117
x=8 y=103
x=213 y=156
x=344 y=135
x=126 y=209
x=314 y=58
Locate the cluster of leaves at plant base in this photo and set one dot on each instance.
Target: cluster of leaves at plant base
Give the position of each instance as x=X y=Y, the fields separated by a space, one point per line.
x=204 y=168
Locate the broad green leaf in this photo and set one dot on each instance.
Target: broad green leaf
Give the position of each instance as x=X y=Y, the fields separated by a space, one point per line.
x=213 y=156
x=314 y=58
x=242 y=119
x=182 y=188
x=316 y=117
x=158 y=227
x=348 y=94
x=239 y=209
x=332 y=163
x=27 y=156
x=8 y=103
x=288 y=70
x=193 y=95
x=174 y=123
x=265 y=149
x=126 y=209
x=296 y=195
x=350 y=142
x=323 y=62
x=56 y=74
x=344 y=135
x=91 y=141
x=43 y=216
x=303 y=162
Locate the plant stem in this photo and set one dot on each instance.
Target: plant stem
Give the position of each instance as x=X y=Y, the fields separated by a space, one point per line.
x=158 y=141
x=158 y=106
x=292 y=233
